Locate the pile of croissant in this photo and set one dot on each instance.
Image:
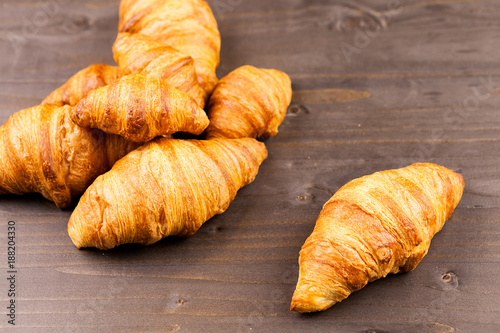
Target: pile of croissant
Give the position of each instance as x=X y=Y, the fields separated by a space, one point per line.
x=107 y=132
x=106 y=137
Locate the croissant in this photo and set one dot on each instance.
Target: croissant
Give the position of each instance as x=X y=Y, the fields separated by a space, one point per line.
x=249 y=102
x=80 y=84
x=43 y=151
x=140 y=108
x=166 y=187
x=186 y=25
x=138 y=53
x=374 y=225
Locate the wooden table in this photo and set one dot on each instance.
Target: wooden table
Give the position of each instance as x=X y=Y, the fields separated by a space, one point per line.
x=378 y=84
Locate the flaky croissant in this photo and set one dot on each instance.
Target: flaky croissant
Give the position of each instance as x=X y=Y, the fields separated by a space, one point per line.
x=249 y=102
x=43 y=151
x=166 y=187
x=80 y=84
x=374 y=225
x=140 y=108
x=186 y=25
x=138 y=53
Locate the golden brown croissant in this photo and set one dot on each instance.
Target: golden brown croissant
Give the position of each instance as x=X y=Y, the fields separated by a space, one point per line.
x=43 y=151
x=374 y=225
x=140 y=108
x=166 y=187
x=186 y=25
x=138 y=53
x=80 y=84
x=249 y=102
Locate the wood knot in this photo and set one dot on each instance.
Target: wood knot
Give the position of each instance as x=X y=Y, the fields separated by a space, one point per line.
x=216 y=229
x=350 y=18
x=450 y=279
x=297 y=108
x=76 y=23
x=305 y=198
x=181 y=300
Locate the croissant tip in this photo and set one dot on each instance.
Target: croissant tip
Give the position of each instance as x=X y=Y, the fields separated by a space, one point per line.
x=299 y=306
x=295 y=306
x=302 y=308
x=305 y=304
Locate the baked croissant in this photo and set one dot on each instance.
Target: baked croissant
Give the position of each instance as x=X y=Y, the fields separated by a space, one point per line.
x=80 y=84
x=249 y=102
x=43 y=151
x=374 y=225
x=166 y=187
x=186 y=25
x=138 y=53
x=140 y=108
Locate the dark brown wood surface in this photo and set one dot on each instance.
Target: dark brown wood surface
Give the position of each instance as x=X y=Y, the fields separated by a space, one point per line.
x=378 y=84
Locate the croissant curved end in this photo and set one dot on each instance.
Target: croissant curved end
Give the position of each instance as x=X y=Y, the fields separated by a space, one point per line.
x=73 y=232
x=84 y=228
x=76 y=229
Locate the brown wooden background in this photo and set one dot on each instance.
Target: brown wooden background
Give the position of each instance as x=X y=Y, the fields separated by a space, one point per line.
x=421 y=83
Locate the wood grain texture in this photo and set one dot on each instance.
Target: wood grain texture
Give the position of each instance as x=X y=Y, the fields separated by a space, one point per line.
x=433 y=74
